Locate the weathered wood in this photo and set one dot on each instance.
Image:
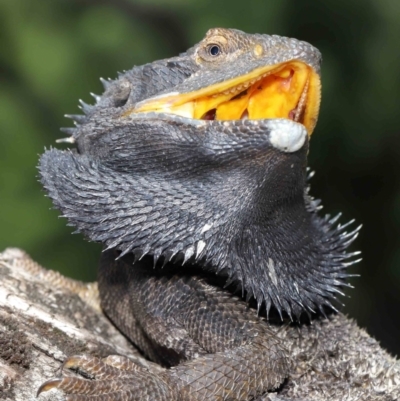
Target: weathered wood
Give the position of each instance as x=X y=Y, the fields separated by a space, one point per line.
x=45 y=317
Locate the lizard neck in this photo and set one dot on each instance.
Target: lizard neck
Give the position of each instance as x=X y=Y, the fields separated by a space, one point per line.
x=281 y=252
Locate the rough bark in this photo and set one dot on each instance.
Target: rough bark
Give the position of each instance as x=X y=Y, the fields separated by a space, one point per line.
x=45 y=317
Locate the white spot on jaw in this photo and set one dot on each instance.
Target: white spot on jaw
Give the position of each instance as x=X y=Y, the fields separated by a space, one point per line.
x=286 y=135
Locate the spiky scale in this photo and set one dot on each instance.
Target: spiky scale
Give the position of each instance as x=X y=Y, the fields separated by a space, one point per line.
x=78 y=118
x=70 y=139
x=68 y=130
x=85 y=107
x=106 y=83
x=97 y=98
x=136 y=164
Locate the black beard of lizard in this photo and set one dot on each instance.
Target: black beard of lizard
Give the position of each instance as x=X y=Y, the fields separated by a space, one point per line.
x=230 y=197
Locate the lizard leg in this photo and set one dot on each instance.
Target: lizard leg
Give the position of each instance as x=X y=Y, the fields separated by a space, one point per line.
x=111 y=378
x=241 y=373
x=214 y=346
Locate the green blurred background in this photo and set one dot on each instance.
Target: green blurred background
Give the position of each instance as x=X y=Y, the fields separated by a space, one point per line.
x=53 y=52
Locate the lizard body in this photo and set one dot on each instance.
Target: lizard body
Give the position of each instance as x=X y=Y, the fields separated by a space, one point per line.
x=192 y=172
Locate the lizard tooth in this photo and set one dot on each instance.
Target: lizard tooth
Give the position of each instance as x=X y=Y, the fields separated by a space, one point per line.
x=287 y=135
x=301 y=102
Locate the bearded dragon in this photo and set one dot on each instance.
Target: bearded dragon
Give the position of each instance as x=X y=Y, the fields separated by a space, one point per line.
x=192 y=171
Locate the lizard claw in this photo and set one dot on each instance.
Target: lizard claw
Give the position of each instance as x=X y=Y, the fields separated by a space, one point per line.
x=48 y=385
x=114 y=377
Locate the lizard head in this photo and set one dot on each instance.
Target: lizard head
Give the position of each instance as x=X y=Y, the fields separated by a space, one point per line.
x=242 y=76
x=201 y=160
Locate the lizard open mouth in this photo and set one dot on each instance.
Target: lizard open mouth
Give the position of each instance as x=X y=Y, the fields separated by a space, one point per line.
x=289 y=90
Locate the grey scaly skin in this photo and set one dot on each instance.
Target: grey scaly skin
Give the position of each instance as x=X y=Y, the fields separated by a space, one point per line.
x=187 y=207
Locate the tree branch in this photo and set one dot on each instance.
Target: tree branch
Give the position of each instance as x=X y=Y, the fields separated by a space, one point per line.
x=45 y=317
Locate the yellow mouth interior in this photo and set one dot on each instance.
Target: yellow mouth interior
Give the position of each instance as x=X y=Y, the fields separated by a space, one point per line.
x=288 y=90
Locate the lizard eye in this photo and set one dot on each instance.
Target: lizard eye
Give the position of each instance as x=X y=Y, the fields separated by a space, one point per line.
x=214 y=50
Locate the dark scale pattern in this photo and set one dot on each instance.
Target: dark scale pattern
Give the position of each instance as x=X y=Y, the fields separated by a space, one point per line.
x=237 y=355
x=218 y=194
x=216 y=203
x=239 y=50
